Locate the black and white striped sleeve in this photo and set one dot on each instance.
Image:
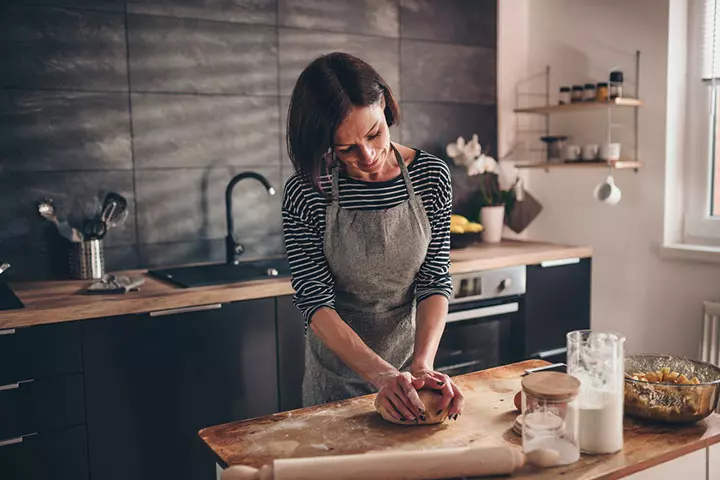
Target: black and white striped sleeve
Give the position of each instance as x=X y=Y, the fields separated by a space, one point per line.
x=433 y=278
x=311 y=277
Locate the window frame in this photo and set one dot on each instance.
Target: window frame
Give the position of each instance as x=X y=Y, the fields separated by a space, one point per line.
x=703 y=148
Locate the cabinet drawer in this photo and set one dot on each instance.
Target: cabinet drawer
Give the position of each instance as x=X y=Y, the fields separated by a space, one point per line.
x=56 y=455
x=39 y=352
x=41 y=405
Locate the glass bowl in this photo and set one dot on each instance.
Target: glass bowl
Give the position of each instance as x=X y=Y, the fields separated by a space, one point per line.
x=670 y=402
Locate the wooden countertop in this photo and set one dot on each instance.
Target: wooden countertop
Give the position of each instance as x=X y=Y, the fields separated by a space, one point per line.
x=62 y=301
x=353 y=426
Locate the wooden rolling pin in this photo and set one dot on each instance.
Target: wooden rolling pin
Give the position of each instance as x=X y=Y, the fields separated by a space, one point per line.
x=393 y=465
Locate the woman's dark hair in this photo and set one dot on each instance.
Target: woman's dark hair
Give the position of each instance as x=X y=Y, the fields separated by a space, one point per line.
x=323 y=96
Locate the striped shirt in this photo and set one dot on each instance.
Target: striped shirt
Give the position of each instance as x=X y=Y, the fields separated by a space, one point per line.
x=303 y=213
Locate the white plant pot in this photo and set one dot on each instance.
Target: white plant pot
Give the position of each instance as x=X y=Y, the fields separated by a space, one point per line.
x=492 y=219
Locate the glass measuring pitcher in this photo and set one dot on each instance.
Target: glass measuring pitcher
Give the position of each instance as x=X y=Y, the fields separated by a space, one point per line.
x=597 y=360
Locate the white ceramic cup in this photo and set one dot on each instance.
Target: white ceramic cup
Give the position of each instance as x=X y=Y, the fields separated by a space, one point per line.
x=590 y=152
x=572 y=152
x=610 y=152
x=608 y=192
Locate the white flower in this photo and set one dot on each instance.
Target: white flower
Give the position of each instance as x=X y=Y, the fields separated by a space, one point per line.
x=464 y=153
x=484 y=164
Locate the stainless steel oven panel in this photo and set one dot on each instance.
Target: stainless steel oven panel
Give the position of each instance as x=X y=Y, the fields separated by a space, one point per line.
x=488 y=284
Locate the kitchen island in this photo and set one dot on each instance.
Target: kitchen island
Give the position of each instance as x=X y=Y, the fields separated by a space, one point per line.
x=651 y=451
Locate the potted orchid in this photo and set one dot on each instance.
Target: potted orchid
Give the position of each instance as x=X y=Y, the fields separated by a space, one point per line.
x=497 y=194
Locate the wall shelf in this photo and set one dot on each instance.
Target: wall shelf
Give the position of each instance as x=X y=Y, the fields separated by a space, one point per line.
x=621 y=165
x=577 y=107
x=630 y=103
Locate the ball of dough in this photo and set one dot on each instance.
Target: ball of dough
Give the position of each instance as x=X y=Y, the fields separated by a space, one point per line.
x=431 y=399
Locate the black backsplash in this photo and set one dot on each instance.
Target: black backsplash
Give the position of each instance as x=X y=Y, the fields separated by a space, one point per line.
x=163 y=101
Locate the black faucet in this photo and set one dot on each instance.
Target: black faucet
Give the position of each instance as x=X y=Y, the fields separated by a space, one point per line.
x=233 y=249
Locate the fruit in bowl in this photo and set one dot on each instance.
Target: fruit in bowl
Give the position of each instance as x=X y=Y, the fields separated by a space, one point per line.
x=670 y=389
x=463 y=232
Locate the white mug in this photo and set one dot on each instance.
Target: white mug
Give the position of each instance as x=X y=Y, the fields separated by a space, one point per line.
x=590 y=152
x=608 y=192
x=610 y=152
x=572 y=152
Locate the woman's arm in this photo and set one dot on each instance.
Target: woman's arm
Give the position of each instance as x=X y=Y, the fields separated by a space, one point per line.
x=434 y=285
x=430 y=320
x=348 y=346
x=397 y=390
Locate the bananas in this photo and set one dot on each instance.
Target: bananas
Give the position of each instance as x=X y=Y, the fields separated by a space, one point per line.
x=460 y=224
x=458 y=220
x=473 y=227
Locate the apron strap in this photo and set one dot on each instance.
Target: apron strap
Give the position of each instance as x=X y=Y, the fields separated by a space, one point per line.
x=335 y=188
x=404 y=170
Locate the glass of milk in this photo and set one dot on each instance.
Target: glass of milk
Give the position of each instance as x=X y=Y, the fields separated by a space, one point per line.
x=597 y=360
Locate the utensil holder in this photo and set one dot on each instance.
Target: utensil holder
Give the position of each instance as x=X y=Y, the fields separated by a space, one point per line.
x=87 y=261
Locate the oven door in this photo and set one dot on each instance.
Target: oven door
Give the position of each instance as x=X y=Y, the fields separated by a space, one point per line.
x=480 y=335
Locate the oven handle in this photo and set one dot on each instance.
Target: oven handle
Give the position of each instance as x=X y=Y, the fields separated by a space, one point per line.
x=482 y=312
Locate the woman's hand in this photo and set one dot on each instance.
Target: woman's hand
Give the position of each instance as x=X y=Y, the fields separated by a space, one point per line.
x=452 y=395
x=398 y=395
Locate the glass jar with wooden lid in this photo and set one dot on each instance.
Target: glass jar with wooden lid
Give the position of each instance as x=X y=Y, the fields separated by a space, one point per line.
x=550 y=426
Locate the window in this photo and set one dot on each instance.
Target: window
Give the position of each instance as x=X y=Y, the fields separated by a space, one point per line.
x=702 y=218
x=715 y=162
x=710 y=74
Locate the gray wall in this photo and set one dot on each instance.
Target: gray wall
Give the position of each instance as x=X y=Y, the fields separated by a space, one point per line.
x=164 y=100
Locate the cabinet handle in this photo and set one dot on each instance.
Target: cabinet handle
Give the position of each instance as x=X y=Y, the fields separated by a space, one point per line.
x=13 y=386
x=550 y=353
x=558 y=263
x=173 y=311
x=9 y=331
x=16 y=440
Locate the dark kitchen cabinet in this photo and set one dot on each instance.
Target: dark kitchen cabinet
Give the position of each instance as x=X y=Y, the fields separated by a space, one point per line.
x=291 y=353
x=557 y=302
x=41 y=405
x=154 y=380
x=56 y=454
x=39 y=352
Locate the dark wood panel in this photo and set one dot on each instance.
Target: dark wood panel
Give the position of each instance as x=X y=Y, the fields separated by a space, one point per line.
x=153 y=382
x=56 y=455
x=41 y=405
x=39 y=352
x=557 y=302
x=291 y=353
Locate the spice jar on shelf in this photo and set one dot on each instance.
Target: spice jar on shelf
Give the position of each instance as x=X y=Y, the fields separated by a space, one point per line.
x=550 y=429
x=565 y=96
x=577 y=94
x=616 y=84
x=589 y=92
x=602 y=92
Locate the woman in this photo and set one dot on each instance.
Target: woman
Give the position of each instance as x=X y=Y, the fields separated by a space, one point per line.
x=366 y=224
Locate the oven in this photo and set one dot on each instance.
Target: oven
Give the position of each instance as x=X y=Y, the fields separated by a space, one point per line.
x=485 y=323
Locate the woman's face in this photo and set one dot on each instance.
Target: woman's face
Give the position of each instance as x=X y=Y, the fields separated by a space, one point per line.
x=362 y=141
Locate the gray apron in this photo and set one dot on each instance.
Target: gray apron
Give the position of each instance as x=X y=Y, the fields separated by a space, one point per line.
x=374 y=256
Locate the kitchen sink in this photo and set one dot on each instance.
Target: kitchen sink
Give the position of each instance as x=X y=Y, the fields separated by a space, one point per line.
x=224 y=273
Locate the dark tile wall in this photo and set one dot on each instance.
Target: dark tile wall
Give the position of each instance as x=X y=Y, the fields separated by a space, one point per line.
x=164 y=100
